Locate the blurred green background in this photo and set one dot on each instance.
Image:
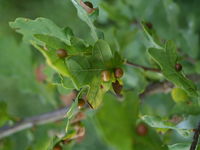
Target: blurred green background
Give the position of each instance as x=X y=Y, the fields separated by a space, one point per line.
x=22 y=95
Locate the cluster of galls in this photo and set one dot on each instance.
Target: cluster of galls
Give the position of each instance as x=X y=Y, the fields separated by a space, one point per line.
x=118 y=73
x=106 y=74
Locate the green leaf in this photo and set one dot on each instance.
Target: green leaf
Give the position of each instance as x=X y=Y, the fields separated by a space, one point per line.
x=152 y=36
x=77 y=50
x=86 y=18
x=81 y=70
x=29 y=28
x=78 y=46
x=157 y=122
x=68 y=32
x=67 y=83
x=64 y=84
x=14 y=58
x=114 y=13
x=3 y=113
x=54 y=61
x=103 y=53
x=44 y=32
x=41 y=139
x=51 y=41
x=167 y=58
x=172 y=12
x=86 y=71
x=60 y=80
x=192 y=109
x=117 y=121
x=19 y=89
x=139 y=82
x=179 y=146
x=92 y=140
x=81 y=67
x=96 y=92
x=118 y=126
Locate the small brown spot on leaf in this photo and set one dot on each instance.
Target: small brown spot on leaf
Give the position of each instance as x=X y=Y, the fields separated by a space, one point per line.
x=117 y=87
x=101 y=86
x=149 y=25
x=87 y=6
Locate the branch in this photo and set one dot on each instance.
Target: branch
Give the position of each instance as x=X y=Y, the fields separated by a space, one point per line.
x=33 y=121
x=60 y=113
x=142 y=67
x=163 y=87
x=195 y=138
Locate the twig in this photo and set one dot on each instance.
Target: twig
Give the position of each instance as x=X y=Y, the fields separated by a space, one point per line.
x=142 y=67
x=163 y=87
x=195 y=138
x=33 y=121
x=60 y=113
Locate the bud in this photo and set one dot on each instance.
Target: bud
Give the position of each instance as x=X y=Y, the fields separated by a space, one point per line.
x=142 y=129
x=105 y=75
x=61 y=53
x=118 y=73
x=178 y=67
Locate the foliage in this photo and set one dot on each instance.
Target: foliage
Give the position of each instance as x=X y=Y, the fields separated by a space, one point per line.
x=34 y=79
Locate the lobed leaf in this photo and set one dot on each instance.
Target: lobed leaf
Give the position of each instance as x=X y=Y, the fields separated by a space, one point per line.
x=54 y=61
x=178 y=146
x=117 y=124
x=29 y=28
x=167 y=58
x=83 y=15
x=97 y=89
x=103 y=53
x=119 y=127
x=84 y=63
x=157 y=122
x=152 y=36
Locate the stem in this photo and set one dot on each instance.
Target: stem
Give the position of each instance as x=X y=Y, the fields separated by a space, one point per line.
x=163 y=87
x=142 y=67
x=195 y=138
x=60 y=113
x=33 y=121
